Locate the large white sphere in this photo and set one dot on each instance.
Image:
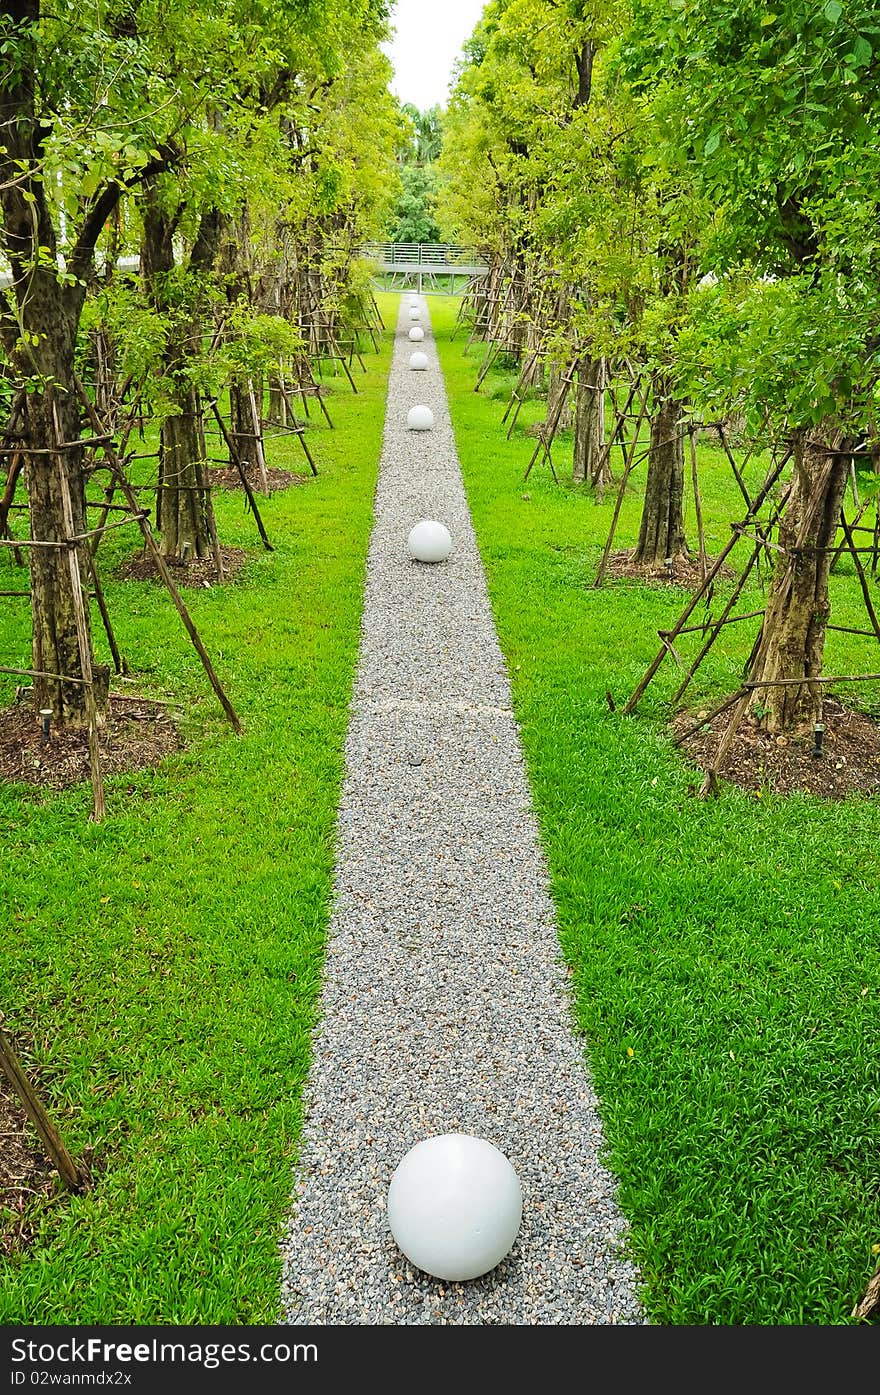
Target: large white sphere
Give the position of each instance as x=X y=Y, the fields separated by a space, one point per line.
x=418 y=359
x=415 y=313
x=429 y=541
x=455 y=1206
x=420 y=418
x=416 y=333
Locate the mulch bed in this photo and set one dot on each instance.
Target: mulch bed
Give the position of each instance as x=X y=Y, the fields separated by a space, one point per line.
x=200 y=572
x=759 y=762
x=684 y=572
x=137 y=735
x=227 y=477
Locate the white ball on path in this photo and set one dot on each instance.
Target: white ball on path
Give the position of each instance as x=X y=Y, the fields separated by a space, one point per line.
x=429 y=541
x=455 y=1206
x=420 y=418
x=418 y=360
x=416 y=334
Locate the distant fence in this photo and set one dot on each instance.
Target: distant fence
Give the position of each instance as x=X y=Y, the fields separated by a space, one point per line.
x=424 y=266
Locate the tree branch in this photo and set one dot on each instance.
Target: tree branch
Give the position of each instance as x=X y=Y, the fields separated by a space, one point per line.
x=103 y=204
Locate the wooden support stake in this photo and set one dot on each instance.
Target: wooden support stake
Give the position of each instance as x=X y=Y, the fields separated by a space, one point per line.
x=630 y=461
x=717 y=626
x=709 y=717
x=49 y=1135
x=726 y=742
x=605 y=452
x=162 y=568
x=205 y=489
x=258 y=432
x=739 y=479
x=82 y=634
x=772 y=477
x=698 y=508
x=242 y=476
x=863 y=582
x=119 y=663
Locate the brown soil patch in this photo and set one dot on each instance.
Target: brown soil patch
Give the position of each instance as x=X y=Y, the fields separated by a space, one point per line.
x=137 y=735
x=227 y=477
x=684 y=572
x=200 y=573
x=850 y=763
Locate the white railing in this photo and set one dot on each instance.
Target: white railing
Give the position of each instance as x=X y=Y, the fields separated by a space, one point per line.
x=431 y=256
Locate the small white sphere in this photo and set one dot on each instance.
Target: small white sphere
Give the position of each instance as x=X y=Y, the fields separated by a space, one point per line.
x=416 y=334
x=418 y=360
x=455 y=1206
x=415 y=313
x=420 y=418
x=429 y=541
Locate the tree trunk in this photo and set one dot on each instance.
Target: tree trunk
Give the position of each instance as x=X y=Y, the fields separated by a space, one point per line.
x=182 y=505
x=661 y=534
x=55 y=648
x=40 y=343
x=244 y=428
x=556 y=389
x=588 y=424
x=792 y=637
x=181 y=502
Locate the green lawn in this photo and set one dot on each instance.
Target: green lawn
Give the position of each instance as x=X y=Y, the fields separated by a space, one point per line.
x=725 y=953
x=165 y=965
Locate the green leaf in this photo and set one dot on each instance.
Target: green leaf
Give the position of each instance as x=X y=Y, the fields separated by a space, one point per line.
x=861 y=52
x=713 y=141
x=768 y=19
x=832 y=11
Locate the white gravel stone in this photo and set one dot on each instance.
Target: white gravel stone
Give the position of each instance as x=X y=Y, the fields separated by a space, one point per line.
x=445 y=1005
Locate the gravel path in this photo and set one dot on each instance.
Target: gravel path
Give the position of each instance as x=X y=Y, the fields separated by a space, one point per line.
x=445 y=1006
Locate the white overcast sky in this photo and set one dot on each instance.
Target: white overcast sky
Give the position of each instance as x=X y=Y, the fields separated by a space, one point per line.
x=427 y=40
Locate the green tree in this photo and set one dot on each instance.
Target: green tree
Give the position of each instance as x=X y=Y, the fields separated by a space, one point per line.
x=413 y=215
x=773 y=113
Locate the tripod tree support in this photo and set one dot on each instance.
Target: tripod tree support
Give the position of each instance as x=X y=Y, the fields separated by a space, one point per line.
x=161 y=565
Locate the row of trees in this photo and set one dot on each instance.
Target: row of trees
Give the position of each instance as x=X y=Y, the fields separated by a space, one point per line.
x=692 y=187
x=243 y=150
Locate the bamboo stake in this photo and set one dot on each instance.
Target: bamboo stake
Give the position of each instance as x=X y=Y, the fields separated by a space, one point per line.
x=771 y=479
x=717 y=626
x=82 y=634
x=709 y=717
x=698 y=508
x=118 y=662
x=204 y=486
x=627 y=469
x=863 y=583
x=40 y=672
x=726 y=742
x=49 y=1135
x=261 y=455
x=162 y=568
x=605 y=452
x=242 y=476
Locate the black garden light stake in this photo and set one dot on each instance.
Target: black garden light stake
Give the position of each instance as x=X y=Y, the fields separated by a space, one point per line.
x=818 y=733
x=45 y=723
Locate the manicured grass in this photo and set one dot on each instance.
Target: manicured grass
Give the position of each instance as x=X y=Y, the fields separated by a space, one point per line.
x=166 y=963
x=724 y=953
